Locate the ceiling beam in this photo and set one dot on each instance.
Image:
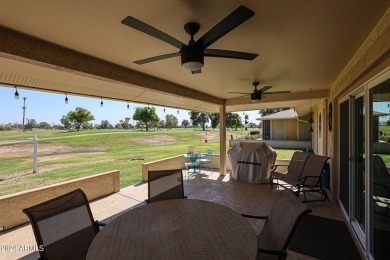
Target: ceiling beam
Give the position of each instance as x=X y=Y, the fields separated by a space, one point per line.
x=324 y=93
x=22 y=47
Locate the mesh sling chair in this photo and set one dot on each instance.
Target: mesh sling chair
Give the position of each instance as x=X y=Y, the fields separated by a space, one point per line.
x=207 y=161
x=312 y=177
x=294 y=169
x=280 y=225
x=381 y=191
x=164 y=185
x=64 y=226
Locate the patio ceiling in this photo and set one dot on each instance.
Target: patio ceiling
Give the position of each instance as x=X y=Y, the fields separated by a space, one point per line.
x=302 y=46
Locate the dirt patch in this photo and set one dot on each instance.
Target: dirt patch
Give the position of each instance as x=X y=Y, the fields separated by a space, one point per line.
x=27 y=149
x=208 y=136
x=47 y=168
x=65 y=156
x=157 y=139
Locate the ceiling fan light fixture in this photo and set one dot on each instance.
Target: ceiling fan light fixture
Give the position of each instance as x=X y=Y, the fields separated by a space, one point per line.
x=256 y=96
x=192 y=57
x=193 y=65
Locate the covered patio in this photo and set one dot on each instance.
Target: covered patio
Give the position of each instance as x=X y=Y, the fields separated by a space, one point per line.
x=325 y=54
x=243 y=197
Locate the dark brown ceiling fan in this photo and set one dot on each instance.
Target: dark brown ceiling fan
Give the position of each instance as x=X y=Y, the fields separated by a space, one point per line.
x=257 y=94
x=193 y=53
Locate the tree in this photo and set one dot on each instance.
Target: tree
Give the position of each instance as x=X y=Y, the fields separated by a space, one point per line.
x=31 y=123
x=171 y=121
x=199 y=119
x=269 y=111
x=233 y=120
x=125 y=123
x=214 y=118
x=44 y=125
x=66 y=122
x=79 y=116
x=86 y=125
x=161 y=124
x=252 y=125
x=185 y=123
x=105 y=125
x=147 y=116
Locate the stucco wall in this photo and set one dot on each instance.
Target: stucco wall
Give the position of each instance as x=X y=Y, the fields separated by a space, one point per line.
x=291 y=129
x=372 y=58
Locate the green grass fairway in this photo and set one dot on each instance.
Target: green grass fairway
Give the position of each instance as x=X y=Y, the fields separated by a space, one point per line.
x=67 y=155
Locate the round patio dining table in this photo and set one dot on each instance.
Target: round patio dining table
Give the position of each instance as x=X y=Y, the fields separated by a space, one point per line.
x=176 y=229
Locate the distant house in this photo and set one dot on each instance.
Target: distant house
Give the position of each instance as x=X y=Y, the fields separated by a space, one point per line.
x=286 y=125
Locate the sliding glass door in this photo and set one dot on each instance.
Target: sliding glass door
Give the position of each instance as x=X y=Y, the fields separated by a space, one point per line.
x=364 y=180
x=379 y=179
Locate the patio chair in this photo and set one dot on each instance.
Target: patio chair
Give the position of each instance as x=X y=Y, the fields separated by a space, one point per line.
x=64 y=226
x=311 y=179
x=207 y=161
x=280 y=225
x=164 y=185
x=294 y=169
x=381 y=191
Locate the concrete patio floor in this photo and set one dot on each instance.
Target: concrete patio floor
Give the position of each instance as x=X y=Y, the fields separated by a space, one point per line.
x=241 y=196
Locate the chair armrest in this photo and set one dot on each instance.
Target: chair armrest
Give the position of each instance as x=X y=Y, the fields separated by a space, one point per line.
x=273 y=167
x=252 y=216
x=273 y=252
x=101 y=224
x=303 y=178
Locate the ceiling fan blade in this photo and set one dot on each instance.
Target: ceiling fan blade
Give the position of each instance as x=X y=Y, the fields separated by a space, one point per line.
x=239 y=93
x=196 y=71
x=157 y=58
x=237 y=17
x=230 y=54
x=242 y=96
x=145 y=28
x=277 y=92
x=262 y=90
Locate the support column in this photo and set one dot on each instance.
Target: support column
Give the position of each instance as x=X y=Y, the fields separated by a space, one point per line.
x=222 y=139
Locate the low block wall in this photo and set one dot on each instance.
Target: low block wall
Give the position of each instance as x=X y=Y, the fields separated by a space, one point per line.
x=177 y=162
x=171 y=163
x=94 y=186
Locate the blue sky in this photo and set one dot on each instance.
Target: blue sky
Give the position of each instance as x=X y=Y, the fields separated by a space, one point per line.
x=50 y=107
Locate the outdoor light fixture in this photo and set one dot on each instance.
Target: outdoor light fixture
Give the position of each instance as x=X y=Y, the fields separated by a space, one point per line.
x=164 y=109
x=148 y=108
x=192 y=58
x=101 y=102
x=16 y=93
x=193 y=65
x=66 y=98
x=128 y=106
x=178 y=111
x=311 y=121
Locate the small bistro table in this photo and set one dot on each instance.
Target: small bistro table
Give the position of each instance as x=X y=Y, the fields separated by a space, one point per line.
x=191 y=159
x=176 y=229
